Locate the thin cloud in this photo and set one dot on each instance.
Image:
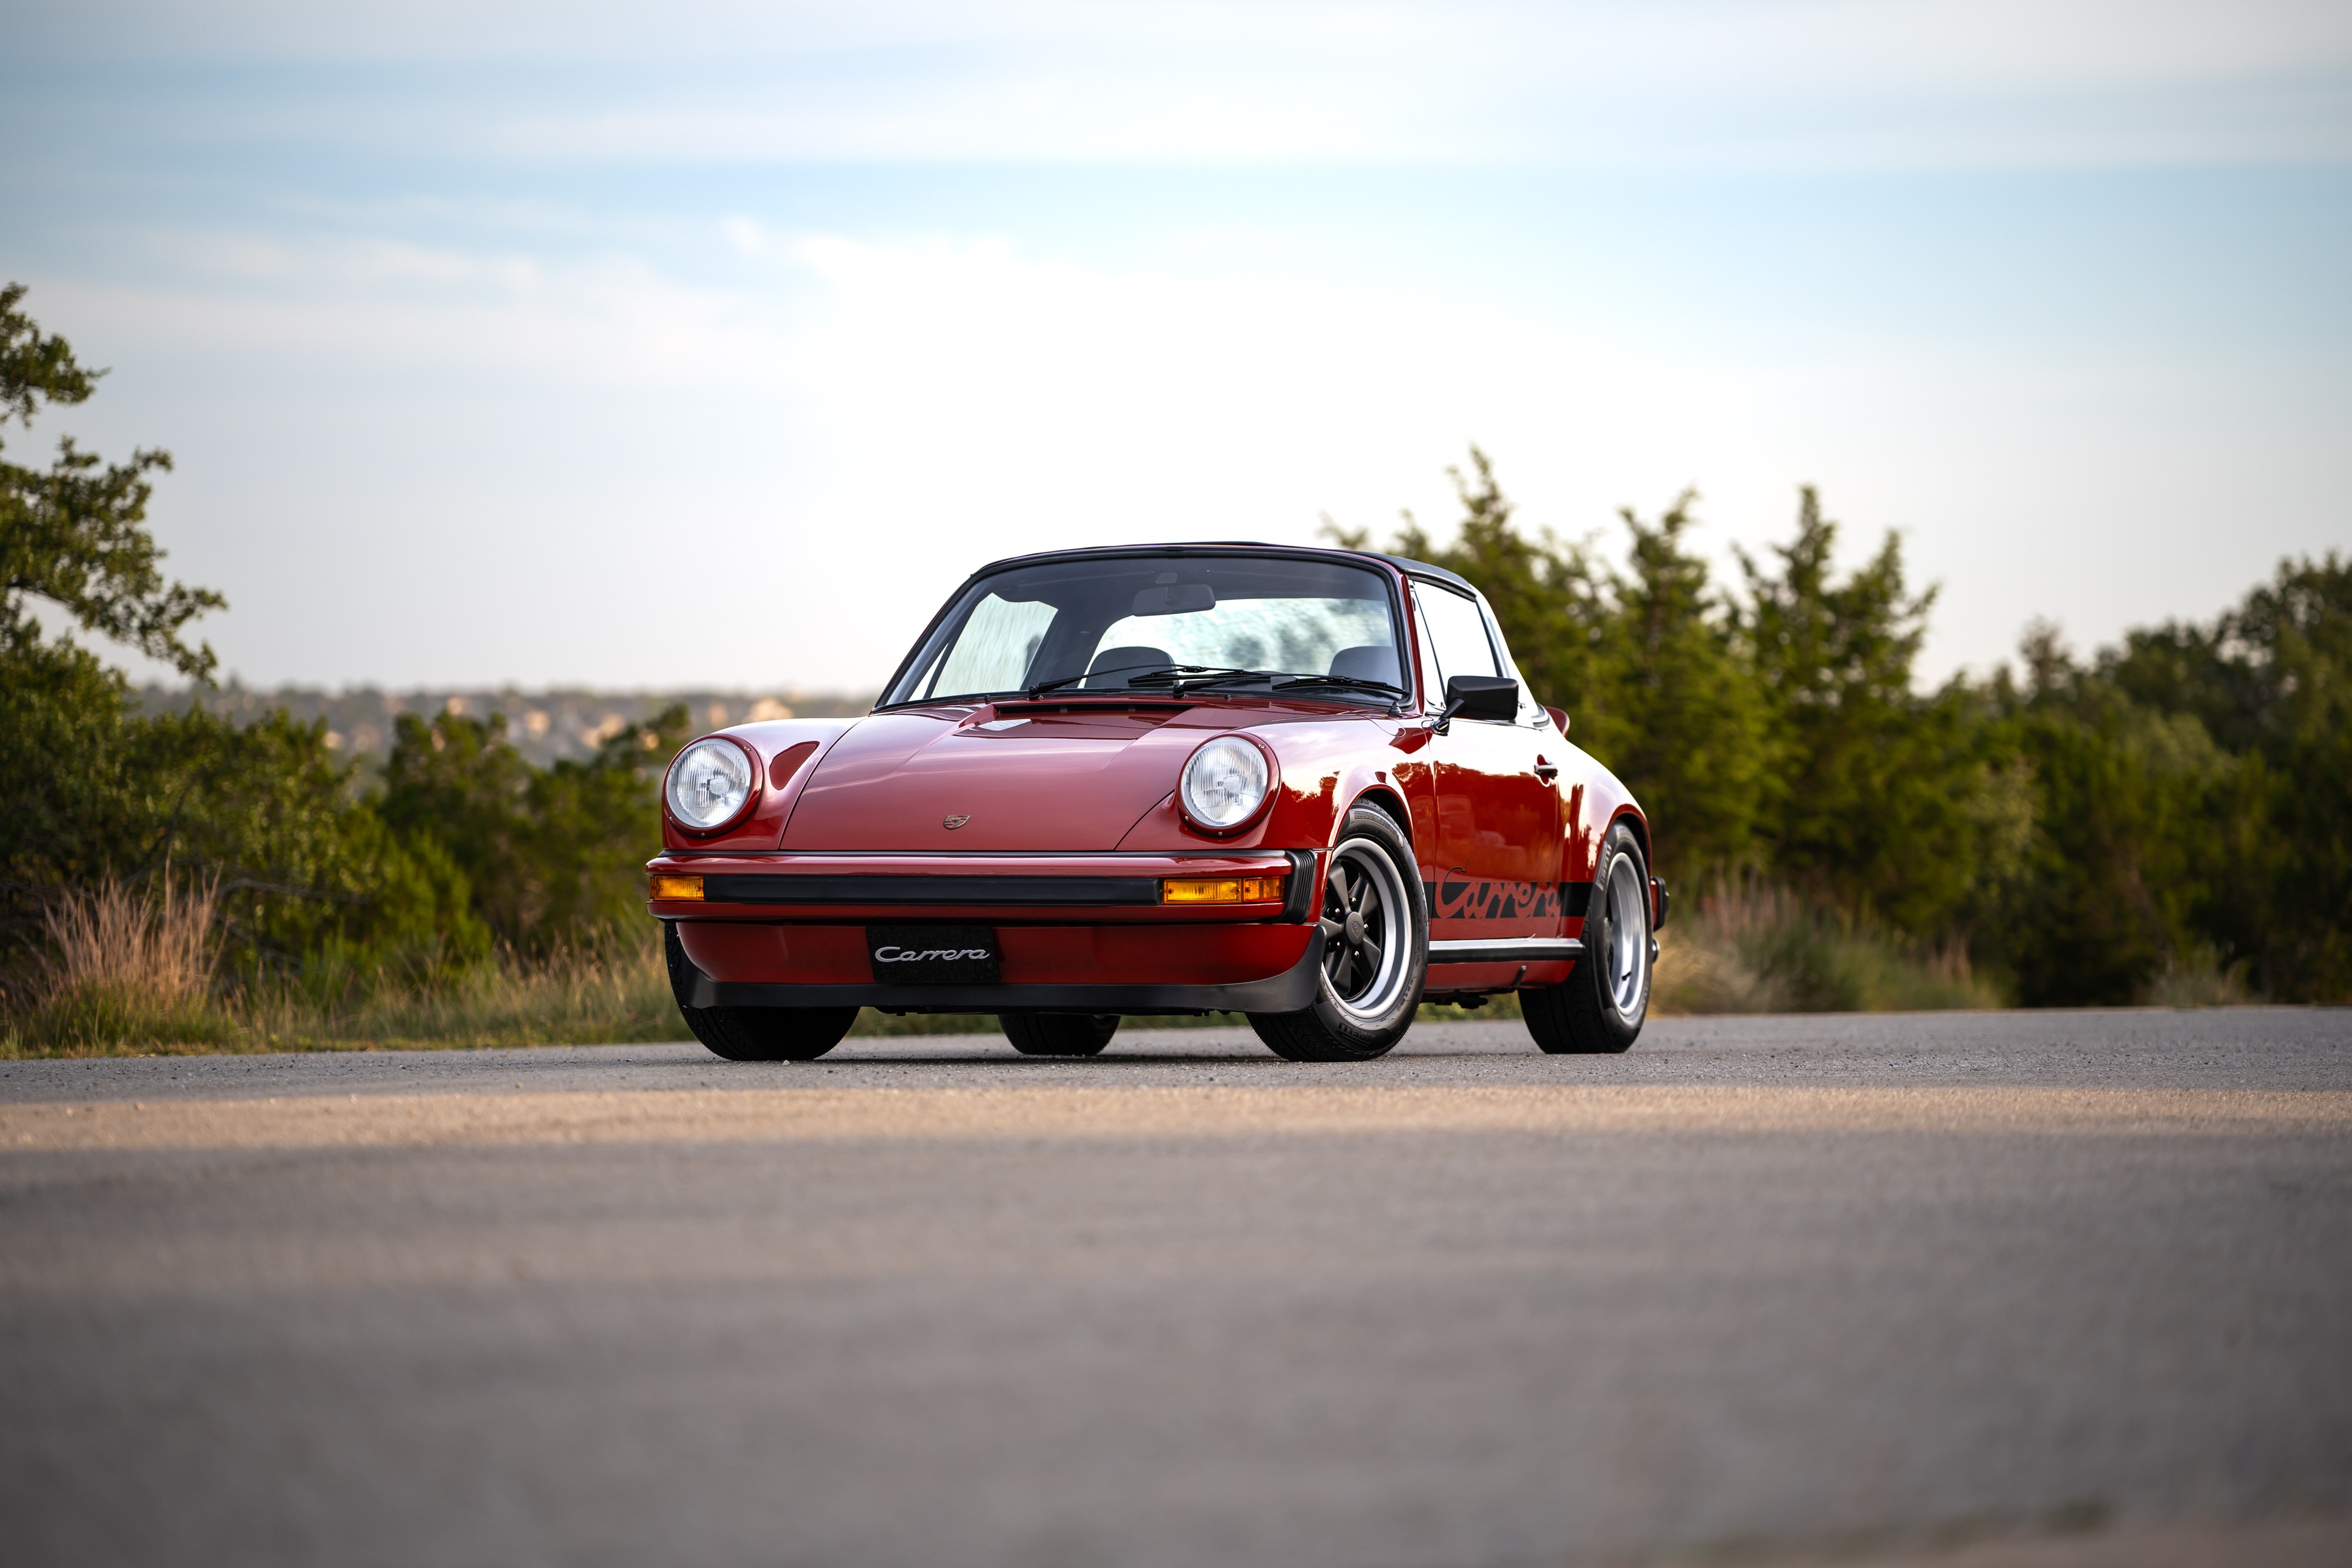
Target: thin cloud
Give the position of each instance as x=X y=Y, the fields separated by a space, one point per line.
x=1805 y=83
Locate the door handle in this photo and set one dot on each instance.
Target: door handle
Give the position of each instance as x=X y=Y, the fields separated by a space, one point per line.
x=1546 y=771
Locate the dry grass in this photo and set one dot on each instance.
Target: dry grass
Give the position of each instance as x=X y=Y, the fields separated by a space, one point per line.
x=608 y=993
x=126 y=969
x=137 y=975
x=2197 y=979
x=159 y=943
x=1755 y=949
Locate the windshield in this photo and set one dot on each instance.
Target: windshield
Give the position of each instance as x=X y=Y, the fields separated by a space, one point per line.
x=1161 y=624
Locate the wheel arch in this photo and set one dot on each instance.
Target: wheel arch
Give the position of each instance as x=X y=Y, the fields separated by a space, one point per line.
x=1379 y=798
x=1631 y=816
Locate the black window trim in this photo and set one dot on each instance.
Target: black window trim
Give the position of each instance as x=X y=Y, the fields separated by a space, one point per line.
x=1395 y=566
x=1436 y=577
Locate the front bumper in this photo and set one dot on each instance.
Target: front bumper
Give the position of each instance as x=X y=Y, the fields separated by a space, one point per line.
x=1286 y=991
x=1076 y=933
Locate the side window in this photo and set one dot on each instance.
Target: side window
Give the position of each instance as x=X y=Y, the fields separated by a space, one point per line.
x=1531 y=711
x=1433 y=684
x=1458 y=631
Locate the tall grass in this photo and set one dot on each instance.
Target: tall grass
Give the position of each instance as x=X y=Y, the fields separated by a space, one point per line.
x=607 y=992
x=138 y=972
x=2199 y=980
x=126 y=968
x=1748 y=948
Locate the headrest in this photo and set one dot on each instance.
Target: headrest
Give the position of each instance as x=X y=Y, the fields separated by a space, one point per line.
x=1372 y=662
x=1111 y=661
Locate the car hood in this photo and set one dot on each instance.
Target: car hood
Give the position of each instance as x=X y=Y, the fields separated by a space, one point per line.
x=1008 y=781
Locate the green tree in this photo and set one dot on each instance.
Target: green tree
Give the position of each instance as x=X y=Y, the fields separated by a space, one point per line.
x=1880 y=798
x=2270 y=682
x=1684 y=724
x=553 y=856
x=598 y=821
x=75 y=533
x=457 y=782
x=2128 y=804
x=303 y=864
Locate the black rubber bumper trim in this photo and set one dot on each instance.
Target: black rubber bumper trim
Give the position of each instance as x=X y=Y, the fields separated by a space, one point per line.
x=1300 y=903
x=1285 y=993
x=1001 y=892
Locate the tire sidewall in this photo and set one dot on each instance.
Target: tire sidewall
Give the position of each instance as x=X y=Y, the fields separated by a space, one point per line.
x=1618 y=844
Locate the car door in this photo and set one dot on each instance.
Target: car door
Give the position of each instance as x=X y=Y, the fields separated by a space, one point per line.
x=1496 y=820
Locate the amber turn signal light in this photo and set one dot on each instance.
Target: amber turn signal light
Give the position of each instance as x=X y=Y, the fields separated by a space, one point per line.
x=1223 y=889
x=678 y=887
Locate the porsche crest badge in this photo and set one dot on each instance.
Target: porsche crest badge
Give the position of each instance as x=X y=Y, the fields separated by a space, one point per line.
x=958 y=820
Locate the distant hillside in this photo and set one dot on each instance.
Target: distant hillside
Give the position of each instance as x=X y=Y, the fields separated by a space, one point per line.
x=567 y=721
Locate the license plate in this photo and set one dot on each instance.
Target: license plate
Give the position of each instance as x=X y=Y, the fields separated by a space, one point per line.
x=932 y=954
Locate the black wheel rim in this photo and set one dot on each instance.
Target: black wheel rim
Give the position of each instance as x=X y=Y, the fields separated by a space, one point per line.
x=1364 y=928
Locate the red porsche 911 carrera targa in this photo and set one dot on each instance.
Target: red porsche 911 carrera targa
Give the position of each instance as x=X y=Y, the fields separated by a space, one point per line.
x=1304 y=785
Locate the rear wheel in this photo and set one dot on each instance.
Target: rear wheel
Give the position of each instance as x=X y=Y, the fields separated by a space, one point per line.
x=1058 y=1034
x=752 y=1034
x=1374 y=932
x=1600 y=1009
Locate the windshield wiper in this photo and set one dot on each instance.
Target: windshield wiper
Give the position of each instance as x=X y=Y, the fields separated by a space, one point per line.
x=1174 y=675
x=1392 y=694
x=1353 y=682
x=1278 y=682
x=1181 y=678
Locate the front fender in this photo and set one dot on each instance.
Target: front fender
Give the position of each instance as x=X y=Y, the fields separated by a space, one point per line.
x=1322 y=768
x=773 y=740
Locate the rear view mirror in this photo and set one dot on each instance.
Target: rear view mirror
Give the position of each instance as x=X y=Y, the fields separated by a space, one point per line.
x=1482 y=696
x=1176 y=599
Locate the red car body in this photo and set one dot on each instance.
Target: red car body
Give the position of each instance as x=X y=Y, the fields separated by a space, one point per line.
x=1053 y=821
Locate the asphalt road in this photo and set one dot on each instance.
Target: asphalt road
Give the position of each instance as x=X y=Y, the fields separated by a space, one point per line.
x=2072 y=1288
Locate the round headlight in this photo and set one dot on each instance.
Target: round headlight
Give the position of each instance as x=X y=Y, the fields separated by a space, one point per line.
x=1224 y=784
x=709 y=783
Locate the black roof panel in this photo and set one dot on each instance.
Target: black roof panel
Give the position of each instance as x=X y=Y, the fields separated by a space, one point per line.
x=1410 y=566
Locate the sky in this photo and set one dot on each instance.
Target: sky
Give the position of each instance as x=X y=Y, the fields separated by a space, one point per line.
x=714 y=343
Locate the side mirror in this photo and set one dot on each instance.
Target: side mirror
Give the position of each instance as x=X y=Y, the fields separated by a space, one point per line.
x=1493 y=697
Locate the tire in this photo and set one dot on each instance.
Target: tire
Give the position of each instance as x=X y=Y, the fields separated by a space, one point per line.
x=752 y=1034
x=1374 y=928
x=1600 y=1009
x=1058 y=1034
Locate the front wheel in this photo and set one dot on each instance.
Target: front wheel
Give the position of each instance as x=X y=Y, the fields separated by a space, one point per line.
x=752 y=1034
x=1374 y=933
x=1600 y=1009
